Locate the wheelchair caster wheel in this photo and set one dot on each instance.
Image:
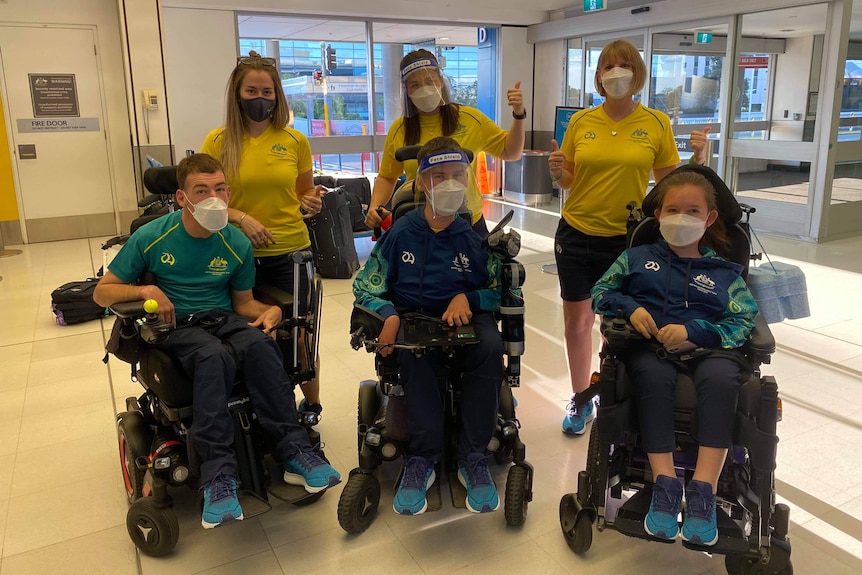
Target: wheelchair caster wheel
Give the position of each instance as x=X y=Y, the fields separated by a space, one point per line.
x=153 y=529
x=517 y=495
x=577 y=527
x=357 y=506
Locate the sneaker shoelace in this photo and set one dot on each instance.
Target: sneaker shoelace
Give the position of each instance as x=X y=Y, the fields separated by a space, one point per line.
x=221 y=487
x=665 y=502
x=697 y=506
x=414 y=473
x=308 y=461
x=574 y=410
x=477 y=471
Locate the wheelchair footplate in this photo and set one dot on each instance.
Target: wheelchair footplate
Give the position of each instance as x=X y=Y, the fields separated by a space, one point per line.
x=252 y=504
x=294 y=494
x=630 y=521
x=457 y=491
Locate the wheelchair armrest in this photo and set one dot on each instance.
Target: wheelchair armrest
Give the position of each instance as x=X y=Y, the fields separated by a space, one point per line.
x=272 y=295
x=128 y=309
x=365 y=325
x=760 y=340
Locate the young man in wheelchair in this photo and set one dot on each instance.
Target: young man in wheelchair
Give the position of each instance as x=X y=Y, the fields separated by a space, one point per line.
x=432 y=262
x=204 y=275
x=680 y=295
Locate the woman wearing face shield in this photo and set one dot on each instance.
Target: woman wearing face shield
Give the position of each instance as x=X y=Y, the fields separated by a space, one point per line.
x=269 y=168
x=605 y=161
x=429 y=113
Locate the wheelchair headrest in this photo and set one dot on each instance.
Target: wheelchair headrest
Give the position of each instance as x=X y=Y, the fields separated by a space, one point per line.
x=728 y=208
x=161 y=180
x=412 y=152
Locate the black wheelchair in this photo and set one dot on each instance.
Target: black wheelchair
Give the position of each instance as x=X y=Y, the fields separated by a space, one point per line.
x=381 y=426
x=155 y=444
x=615 y=490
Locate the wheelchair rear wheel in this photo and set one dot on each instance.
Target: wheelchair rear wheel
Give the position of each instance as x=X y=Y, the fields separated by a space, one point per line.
x=358 y=504
x=517 y=487
x=153 y=529
x=594 y=455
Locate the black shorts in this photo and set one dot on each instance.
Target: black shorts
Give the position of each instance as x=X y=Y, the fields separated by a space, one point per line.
x=583 y=259
x=278 y=271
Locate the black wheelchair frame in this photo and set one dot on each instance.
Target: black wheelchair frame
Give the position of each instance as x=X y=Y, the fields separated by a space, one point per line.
x=752 y=526
x=378 y=403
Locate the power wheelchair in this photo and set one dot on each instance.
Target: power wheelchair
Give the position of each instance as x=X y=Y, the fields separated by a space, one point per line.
x=615 y=489
x=155 y=444
x=381 y=423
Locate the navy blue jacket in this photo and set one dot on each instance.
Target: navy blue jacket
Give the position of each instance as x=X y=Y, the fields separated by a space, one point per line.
x=707 y=295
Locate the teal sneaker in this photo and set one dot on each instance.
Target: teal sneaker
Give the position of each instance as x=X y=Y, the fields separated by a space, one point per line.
x=575 y=422
x=661 y=520
x=474 y=475
x=307 y=469
x=220 y=503
x=418 y=476
x=699 y=525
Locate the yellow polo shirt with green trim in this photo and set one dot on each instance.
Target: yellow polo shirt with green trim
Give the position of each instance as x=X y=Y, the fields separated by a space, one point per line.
x=266 y=184
x=612 y=165
x=475 y=132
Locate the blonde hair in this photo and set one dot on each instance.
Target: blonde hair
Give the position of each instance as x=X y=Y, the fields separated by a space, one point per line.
x=235 y=128
x=624 y=50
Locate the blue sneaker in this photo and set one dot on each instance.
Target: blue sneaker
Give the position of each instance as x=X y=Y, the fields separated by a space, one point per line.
x=309 y=470
x=661 y=520
x=476 y=478
x=220 y=502
x=575 y=422
x=418 y=476
x=699 y=525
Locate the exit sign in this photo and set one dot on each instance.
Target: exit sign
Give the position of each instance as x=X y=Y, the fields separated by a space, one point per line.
x=594 y=5
x=704 y=38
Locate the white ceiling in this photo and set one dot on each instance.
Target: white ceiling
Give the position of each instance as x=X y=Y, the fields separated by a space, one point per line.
x=786 y=23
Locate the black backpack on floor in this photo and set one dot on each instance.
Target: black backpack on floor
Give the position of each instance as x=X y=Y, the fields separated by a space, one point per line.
x=73 y=302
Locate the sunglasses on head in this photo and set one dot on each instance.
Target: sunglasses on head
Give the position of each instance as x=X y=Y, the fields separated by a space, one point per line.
x=252 y=60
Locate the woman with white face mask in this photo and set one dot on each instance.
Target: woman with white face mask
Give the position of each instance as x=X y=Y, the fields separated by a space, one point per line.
x=605 y=161
x=430 y=113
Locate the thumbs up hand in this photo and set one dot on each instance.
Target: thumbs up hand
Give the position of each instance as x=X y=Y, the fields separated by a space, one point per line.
x=556 y=161
x=698 y=144
x=516 y=99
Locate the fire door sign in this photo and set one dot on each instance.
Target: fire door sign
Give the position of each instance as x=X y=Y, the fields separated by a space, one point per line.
x=54 y=95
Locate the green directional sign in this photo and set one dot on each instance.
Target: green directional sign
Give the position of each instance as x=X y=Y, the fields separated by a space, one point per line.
x=594 y=5
x=704 y=38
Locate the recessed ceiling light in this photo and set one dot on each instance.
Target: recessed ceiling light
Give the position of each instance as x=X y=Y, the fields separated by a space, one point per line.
x=444 y=38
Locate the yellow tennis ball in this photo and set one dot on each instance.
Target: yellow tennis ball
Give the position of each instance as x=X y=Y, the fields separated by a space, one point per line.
x=151 y=306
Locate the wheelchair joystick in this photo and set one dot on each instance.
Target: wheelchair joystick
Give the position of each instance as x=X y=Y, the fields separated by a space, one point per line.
x=153 y=330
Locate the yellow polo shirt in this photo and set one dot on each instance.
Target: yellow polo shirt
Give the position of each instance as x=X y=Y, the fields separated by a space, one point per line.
x=266 y=184
x=612 y=165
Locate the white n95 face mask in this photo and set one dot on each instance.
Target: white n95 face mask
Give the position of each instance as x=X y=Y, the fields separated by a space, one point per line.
x=617 y=82
x=211 y=213
x=682 y=229
x=447 y=197
x=427 y=98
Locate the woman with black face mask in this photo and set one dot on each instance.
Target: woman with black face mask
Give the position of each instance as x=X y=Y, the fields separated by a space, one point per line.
x=269 y=168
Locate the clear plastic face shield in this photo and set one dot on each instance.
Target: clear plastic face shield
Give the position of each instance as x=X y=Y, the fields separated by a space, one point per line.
x=424 y=88
x=445 y=177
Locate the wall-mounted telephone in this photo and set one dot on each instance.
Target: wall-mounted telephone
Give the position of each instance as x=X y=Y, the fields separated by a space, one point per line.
x=151 y=100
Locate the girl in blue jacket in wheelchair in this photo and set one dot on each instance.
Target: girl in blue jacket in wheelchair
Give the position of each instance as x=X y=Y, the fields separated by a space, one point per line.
x=679 y=293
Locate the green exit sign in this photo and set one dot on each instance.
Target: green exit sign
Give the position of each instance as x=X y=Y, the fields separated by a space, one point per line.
x=594 y=5
x=704 y=38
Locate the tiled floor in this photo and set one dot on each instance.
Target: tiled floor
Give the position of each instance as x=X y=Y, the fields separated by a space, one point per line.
x=62 y=507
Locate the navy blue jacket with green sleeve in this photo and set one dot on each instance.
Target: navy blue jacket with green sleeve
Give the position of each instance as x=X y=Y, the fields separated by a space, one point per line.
x=707 y=295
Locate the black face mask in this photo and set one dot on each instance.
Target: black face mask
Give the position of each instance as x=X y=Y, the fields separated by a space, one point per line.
x=257 y=109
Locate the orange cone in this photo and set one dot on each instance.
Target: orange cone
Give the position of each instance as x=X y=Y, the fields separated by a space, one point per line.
x=482 y=174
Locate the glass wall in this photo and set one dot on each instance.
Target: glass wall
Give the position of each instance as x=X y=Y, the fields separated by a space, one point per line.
x=574 y=68
x=327 y=74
